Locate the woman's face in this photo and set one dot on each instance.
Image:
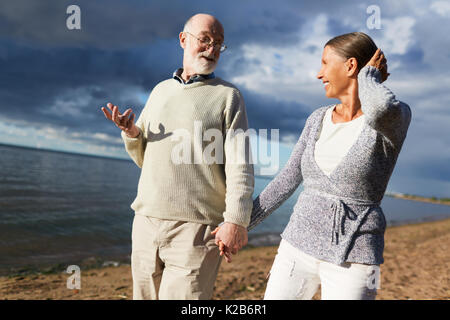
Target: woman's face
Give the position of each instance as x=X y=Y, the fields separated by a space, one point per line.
x=333 y=73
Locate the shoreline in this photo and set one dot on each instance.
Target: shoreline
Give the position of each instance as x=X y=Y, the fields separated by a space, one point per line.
x=414 y=268
x=419 y=199
x=255 y=240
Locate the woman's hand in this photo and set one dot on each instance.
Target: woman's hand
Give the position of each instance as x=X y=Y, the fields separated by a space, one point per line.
x=379 y=61
x=224 y=250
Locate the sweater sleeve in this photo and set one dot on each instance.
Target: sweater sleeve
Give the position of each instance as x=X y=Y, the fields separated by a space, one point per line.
x=383 y=111
x=239 y=171
x=135 y=147
x=283 y=185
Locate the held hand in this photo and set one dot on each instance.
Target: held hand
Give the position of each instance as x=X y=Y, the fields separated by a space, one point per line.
x=124 y=122
x=233 y=238
x=224 y=251
x=379 y=61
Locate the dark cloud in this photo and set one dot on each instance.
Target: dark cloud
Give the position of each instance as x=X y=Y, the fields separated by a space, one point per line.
x=103 y=23
x=55 y=77
x=35 y=81
x=121 y=47
x=116 y=23
x=267 y=113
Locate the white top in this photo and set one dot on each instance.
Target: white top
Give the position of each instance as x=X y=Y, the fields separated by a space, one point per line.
x=335 y=140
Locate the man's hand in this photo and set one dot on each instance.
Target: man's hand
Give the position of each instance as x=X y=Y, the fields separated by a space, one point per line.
x=230 y=238
x=379 y=61
x=122 y=121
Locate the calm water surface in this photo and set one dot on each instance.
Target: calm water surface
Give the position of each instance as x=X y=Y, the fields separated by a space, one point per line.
x=62 y=208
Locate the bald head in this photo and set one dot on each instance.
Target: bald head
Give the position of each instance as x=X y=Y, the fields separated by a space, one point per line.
x=203 y=21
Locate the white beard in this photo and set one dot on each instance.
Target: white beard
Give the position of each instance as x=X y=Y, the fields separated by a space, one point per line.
x=203 y=66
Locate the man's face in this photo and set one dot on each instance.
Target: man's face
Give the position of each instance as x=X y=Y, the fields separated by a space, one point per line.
x=199 y=58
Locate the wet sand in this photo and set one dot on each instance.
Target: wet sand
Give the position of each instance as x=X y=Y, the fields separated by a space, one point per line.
x=417 y=266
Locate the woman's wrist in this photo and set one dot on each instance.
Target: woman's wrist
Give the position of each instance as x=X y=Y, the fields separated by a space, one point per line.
x=370 y=72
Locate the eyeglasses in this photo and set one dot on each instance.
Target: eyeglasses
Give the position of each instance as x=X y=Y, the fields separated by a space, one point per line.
x=208 y=43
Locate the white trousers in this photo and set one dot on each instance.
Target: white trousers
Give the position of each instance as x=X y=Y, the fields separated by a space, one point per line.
x=297 y=275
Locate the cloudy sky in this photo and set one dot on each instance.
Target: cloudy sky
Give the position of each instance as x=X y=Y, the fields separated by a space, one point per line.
x=54 y=80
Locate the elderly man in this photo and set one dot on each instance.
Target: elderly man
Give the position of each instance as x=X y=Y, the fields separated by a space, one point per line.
x=179 y=203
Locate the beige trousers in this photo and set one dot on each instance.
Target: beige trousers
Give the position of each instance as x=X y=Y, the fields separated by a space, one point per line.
x=173 y=260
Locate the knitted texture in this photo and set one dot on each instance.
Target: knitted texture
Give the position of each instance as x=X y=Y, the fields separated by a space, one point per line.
x=338 y=218
x=194 y=190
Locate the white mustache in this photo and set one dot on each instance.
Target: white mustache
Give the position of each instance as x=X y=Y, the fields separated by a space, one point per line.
x=203 y=54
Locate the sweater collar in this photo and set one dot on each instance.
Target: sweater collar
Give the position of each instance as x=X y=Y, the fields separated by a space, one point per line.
x=198 y=77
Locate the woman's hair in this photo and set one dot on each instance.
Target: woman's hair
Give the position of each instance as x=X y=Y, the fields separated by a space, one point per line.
x=356 y=45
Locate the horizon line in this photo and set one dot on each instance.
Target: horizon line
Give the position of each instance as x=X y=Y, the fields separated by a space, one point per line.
x=87 y=154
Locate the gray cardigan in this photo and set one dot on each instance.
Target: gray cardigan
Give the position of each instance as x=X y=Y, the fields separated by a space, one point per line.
x=338 y=218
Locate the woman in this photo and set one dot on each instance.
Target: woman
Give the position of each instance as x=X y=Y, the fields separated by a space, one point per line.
x=344 y=157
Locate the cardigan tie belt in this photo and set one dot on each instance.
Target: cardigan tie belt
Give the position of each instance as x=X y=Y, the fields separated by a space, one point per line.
x=341 y=211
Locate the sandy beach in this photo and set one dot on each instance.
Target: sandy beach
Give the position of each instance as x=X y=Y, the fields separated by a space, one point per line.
x=417 y=267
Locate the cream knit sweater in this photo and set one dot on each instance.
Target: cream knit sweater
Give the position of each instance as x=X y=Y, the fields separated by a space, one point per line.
x=192 y=189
